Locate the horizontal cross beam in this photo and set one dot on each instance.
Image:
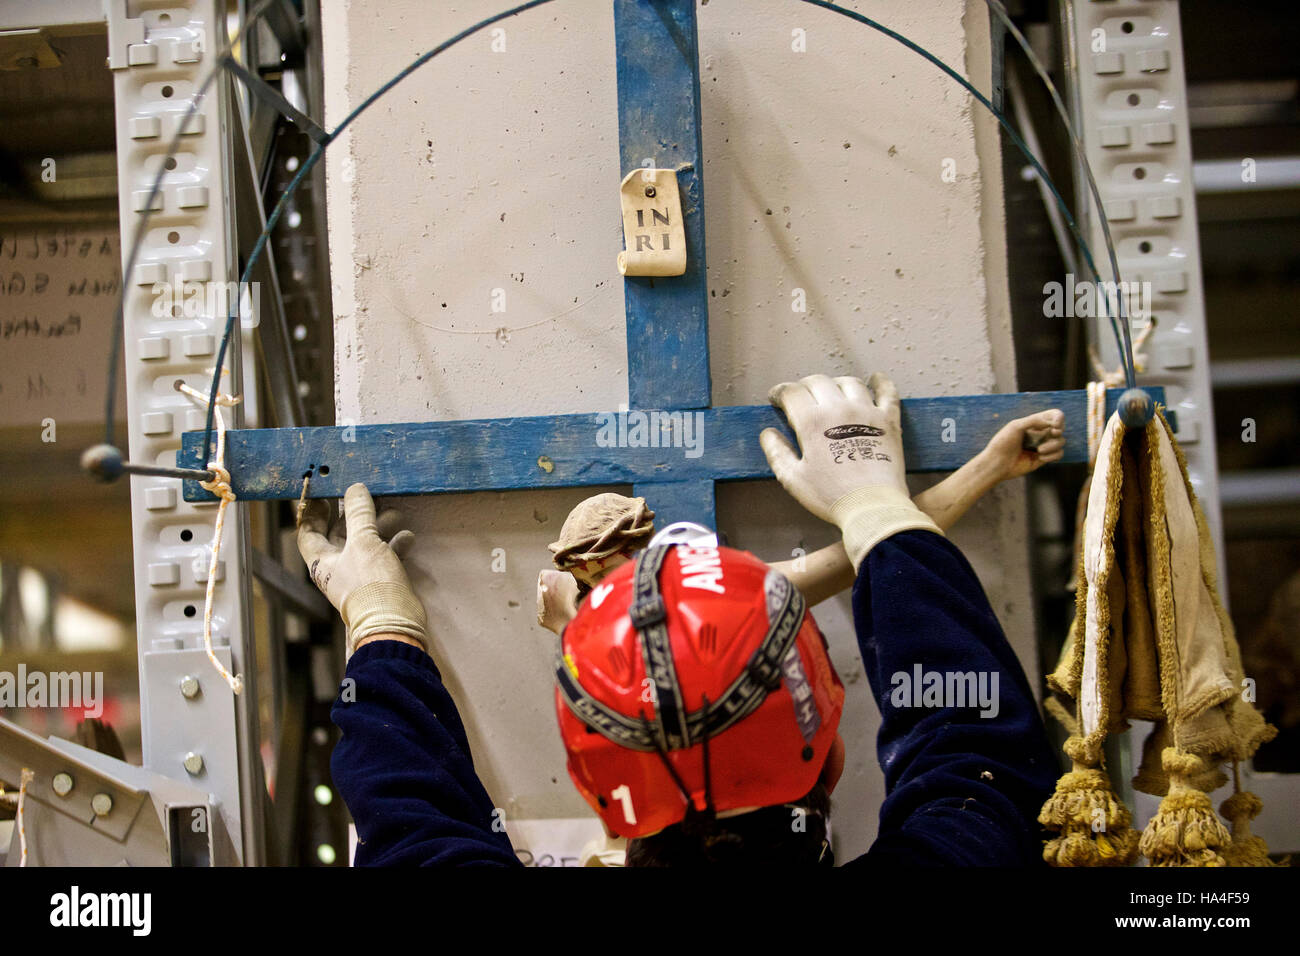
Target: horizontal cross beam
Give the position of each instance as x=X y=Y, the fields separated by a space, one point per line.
x=566 y=451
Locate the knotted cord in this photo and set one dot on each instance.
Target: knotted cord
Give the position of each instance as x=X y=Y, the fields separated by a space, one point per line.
x=26 y=777
x=1096 y=420
x=219 y=486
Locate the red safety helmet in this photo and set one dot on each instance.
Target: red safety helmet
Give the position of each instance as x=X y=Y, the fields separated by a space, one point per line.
x=694 y=669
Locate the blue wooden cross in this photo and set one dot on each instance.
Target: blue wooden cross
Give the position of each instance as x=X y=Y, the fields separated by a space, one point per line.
x=668 y=364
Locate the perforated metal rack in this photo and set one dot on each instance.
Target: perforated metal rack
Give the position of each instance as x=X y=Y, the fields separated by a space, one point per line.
x=158 y=61
x=1125 y=62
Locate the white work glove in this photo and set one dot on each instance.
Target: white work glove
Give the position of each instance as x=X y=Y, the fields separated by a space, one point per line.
x=358 y=566
x=852 y=472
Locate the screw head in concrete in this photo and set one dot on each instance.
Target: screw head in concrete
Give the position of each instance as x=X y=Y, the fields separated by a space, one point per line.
x=62 y=784
x=189 y=686
x=102 y=804
x=193 y=763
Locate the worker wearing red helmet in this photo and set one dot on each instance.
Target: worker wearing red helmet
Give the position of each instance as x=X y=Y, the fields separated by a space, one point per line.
x=710 y=693
x=698 y=705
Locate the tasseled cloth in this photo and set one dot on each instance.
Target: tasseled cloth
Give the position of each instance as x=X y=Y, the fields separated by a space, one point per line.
x=1239 y=809
x=1094 y=826
x=1151 y=641
x=1184 y=830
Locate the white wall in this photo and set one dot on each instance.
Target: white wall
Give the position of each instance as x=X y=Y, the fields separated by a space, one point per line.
x=499 y=170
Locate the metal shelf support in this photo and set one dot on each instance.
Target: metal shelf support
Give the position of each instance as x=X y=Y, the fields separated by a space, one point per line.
x=157 y=66
x=1130 y=102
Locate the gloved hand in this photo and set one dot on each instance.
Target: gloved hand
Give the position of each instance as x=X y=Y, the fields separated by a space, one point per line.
x=852 y=472
x=1025 y=445
x=358 y=566
x=557 y=599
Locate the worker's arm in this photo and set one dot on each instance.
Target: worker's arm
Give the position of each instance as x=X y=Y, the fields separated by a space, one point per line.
x=403 y=766
x=1018 y=448
x=403 y=763
x=964 y=784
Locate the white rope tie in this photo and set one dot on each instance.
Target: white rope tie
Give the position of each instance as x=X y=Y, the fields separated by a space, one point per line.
x=1096 y=419
x=26 y=777
x=1117 y=378
x=302 y=500
x=219 y=486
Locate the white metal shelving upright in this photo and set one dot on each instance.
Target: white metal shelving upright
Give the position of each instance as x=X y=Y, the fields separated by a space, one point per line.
x=1130 y=102
x=159 y=60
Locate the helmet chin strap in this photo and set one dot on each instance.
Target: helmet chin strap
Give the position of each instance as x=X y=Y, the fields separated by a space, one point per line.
x=702 y=824
x=709 y=813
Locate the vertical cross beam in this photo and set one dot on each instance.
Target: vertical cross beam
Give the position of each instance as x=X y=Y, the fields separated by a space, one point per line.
x=658 y=66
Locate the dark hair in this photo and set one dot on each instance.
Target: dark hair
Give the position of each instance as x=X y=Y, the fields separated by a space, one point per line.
x=788 y=834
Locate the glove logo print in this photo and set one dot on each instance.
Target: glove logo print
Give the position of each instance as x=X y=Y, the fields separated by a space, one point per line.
x=321 y=581
x=839 y=432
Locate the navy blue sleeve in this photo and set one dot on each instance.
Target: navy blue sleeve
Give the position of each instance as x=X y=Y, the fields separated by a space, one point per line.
x=966 y=759
x=404 y=769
